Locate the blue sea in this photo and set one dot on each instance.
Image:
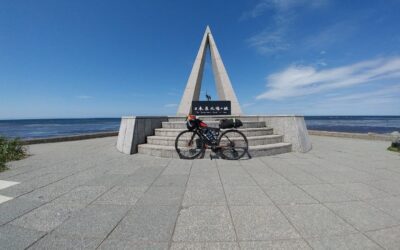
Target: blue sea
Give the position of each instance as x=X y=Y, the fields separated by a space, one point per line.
x=45 y=128
x=354 y=124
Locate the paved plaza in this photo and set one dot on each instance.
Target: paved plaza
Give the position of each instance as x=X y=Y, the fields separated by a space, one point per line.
x=344 y=194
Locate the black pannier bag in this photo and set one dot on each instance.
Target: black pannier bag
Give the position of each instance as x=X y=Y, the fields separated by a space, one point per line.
x=230 y=123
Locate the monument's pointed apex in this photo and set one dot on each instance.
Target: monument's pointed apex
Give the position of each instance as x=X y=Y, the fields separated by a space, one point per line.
x=224 y=87
x=208 y=30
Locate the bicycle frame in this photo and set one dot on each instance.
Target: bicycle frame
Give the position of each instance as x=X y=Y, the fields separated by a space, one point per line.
x=207 y=143
x=224 y=142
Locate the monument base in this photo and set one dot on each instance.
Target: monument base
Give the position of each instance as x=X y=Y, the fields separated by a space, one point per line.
x=134 y=131
x=267 y=135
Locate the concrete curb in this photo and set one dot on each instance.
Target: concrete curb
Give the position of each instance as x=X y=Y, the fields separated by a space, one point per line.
x=369 y=136
x=69 y=138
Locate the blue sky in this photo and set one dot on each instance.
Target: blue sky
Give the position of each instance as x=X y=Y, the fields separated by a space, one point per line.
x=111 y=58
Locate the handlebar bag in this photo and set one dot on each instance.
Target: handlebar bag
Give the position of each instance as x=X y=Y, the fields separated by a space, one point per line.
x=230 y=123
x=195 y=123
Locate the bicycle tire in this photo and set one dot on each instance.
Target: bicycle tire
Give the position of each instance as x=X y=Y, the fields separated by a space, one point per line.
x=230 y=150
x=194 y=140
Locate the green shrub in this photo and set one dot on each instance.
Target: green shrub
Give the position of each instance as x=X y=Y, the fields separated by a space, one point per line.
x=10 y=150
x=394 y=149
x=2 y=162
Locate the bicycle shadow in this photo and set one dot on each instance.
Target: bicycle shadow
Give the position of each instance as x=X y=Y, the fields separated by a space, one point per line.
x=216 y=156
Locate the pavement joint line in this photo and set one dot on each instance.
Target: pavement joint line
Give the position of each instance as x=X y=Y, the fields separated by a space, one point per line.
x=366 y=201
x=389 y=227
x=366 y=183
x=357 y=169
x=31 y=178
x=361 y=232
x=276 y=205
x=31 y=170
x=45 y=203
x=43 y=167
x=48 y=233
x=377 y=189
x=73 y=173
x=228 y=206
x=294 y=165
x=44 y=185
x=180 y=206
x=328 y=209
x=41 y=237
x=329 y=183
x=280 y=208
x=11 y=176
x=130 y=209
x=328 y=236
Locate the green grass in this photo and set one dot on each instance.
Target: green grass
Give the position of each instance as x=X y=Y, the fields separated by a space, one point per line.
x=10 y=150
x=393 y=149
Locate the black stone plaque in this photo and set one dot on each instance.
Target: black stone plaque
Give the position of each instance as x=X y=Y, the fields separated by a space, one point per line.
x=211 y=107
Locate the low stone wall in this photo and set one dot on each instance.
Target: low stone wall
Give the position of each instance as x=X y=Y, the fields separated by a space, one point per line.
x=69 y=138
x=134 y=130
x=293 y=128
x=369 y=136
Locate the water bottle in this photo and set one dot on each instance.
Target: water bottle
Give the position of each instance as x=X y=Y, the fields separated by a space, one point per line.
x=209 y=135
x=215 y=133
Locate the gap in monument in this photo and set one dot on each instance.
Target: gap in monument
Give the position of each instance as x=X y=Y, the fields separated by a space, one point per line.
x=208 y=82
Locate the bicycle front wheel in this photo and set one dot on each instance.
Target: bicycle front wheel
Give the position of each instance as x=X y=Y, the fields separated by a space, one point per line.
x=189 y=145
x=233 y=144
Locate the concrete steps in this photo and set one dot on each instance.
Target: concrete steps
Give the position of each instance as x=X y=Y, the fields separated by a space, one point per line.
x=214 y=124
x=255 y=151
x=252 y=140
x=247 y=132
x=262 y=141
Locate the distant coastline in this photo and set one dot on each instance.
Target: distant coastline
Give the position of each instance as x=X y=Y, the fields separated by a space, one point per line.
x=354 y=124
x=52 y=128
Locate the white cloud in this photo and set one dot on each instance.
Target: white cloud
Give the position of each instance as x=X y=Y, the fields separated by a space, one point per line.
x=384 y=100
x=283 y=13
x=332 y=34
x=84 y=97
x=257 y=11
x=387 y=93
x=305 y=80
x=269 y=42
x=170 y=105
x=280 y=5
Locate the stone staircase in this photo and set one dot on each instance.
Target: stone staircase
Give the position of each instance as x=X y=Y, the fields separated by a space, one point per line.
x=262 y=141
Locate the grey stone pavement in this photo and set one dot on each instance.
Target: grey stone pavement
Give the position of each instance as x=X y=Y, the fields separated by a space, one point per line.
x=344 y=194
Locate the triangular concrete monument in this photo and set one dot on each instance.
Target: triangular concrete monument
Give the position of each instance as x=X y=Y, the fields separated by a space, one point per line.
x=193 y=86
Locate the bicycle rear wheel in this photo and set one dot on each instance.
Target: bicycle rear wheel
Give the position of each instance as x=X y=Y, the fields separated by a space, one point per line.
x=189 y=145
x=233 y=144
